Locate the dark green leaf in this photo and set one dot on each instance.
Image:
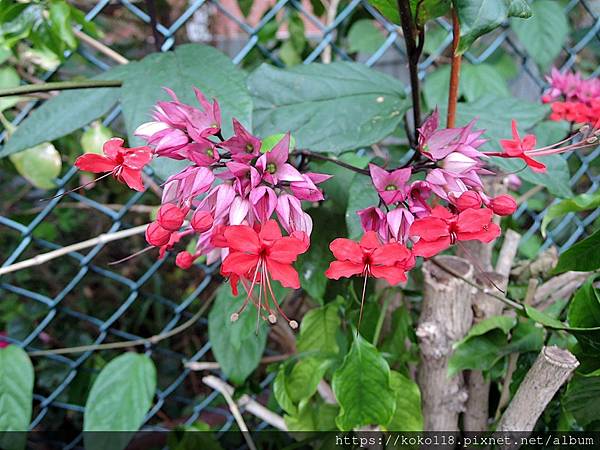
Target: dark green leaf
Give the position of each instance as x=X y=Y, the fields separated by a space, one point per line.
x=304 y=377
x=582 y=202
x=60 y=19
x=478 y=353
x=504 y=323
x=584 y=312
x=318 y=330
x=365 y=37
x=408 y=415
x=478 y=17
x=581 y=257
x=236 y=346
x=388 y=8
x=65 y=113
x=330 y=107
x=119 y=400
x=545 y=33
x=16 y=395
x=362 y=388
x=581 y=398
x=189 y=65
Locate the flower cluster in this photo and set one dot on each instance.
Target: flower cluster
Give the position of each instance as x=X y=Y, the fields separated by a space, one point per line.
x=572 y=97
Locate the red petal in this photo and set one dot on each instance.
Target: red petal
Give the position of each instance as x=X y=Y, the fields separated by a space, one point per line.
x=428 y=249
x=343 y=269
x=391 y=274
x=137 y=158
x=239 y=263
x=473 y=220
x=132 y=178
x=91 y=162
x=242 y=238
x=389 y=254
x=429 y=228
x=534 y=165
x=492 y=232
x=270 y=231
x=286 y=250
x=284 y=273
x=370 y=240
x=346 y=250
x=113 y=147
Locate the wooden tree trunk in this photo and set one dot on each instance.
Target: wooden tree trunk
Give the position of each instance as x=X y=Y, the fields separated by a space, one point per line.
x=550 y=370
x=446 y=316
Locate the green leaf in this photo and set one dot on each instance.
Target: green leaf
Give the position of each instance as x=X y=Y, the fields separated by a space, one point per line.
x=584 y=314
x=544 y=35
x=304 y=378
x=318 y=330
x=478 y=17
x=362 y=388
x=543 y=318
x=581 y=257
x=579 y=203
x=388 y=8
x=60 y=20
x=94 y=138
x=581 y=398
x=236 y=346
x=313 y=416
x=504 y=323
x=408 y=415
x=330 y=107
x=65 y=113
x=39 y=165
x=119 y=400
x=271 y=141
x=361 y=195
x=281 y=393
x=9 y=78
x=189 y=65
x=16 y=396
x=476 y=81
x=365 y=37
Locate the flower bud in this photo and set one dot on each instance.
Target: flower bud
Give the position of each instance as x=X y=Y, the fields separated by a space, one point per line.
x=184 y=260
x=468 y=200
x=513 y=182
x=202 y=221
x=503 y=205
x=170 y=217
x=157 y=235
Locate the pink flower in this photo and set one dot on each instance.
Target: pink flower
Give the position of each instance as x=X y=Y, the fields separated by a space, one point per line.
x=238 y=213
x=202 y=153
x=245 y=176
x=186 y=185
x=307 y=188
x=273 y=165
x=201 y=221
x=263 y=200
x=467 y=200
x=243 y=146
x=291 y=216
x=418 y=194
x=399 y=221
x=373 y=219
x=218 y=201
x=391 y=186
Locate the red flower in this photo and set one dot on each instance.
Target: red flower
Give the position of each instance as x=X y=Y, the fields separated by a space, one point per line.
x=442 y=229
x=369 y=258
x=518 y=148
x=503 y=205
x=256 y=257
x=171 y=217
x=125 y=164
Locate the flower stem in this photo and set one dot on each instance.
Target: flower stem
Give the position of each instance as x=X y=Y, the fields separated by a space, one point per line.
x=380 y=319
x=454 y=72
x=413 y=53
x=59 y=86
x=313 y=155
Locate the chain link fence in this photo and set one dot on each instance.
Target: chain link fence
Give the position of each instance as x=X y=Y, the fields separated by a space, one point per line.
x=137 y=290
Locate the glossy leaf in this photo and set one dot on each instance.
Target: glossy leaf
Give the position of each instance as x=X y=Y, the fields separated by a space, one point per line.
x=583 y=202
x=330 y=107
x=581 y=257
x=318 y=330
x=65 y=113
x=478 y=17
x=362 y=388
x=408 y=415
x=544 y=35
x=236 y=346
x=40 y=165
x=16 y=396
x=119 y=400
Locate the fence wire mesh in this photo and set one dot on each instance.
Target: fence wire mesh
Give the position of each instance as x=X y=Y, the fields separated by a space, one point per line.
x=143 y=288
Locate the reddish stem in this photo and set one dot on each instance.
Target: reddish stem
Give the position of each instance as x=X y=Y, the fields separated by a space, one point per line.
x=454 y=72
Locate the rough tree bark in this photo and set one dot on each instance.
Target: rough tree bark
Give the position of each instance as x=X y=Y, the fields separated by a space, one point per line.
x=550 y=370
x=484 y=306
x=446 y=317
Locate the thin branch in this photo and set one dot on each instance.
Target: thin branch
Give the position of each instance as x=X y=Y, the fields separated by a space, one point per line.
x=412 y=52
x=454 y=72
x=506 y=300
x=211 y=365
x=45 y=257
x=59 y=86
x=133 y=343
x=313 y=155
x=100 y=47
